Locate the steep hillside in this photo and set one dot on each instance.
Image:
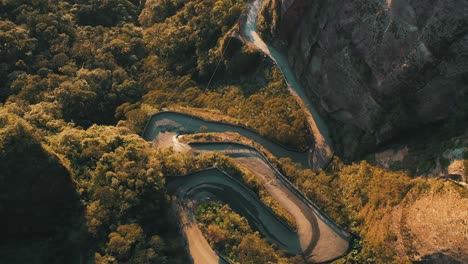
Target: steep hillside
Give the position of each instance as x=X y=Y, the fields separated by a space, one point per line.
x=432 y=226
x=34 y=182
x=79 y=80
x=398 y=218
x=375 y=68
x=38 y=201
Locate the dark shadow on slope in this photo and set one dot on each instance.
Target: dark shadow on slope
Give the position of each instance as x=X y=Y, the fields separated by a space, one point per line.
x=41 y=212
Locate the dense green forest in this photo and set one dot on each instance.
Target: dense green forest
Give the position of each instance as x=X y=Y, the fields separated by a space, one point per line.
x=100 y=63
x=231 y=234
x=361 y=197
x=78 y=82
x=358 y=196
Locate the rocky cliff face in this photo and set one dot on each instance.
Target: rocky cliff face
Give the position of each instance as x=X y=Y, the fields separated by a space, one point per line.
x=375 y=67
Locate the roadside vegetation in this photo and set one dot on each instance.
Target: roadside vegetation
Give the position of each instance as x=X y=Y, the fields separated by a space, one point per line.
x=360 y=197
x=269 y=19
x=78 y=79
x=99 y=64
x=251 y=181
x=111 y=185
x=231 y=235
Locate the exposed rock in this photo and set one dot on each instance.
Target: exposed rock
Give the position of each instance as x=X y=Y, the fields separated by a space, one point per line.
x=456 y=167
x=454 y=154
x=279 y=19
x=377 y=67
x=390 y=156
x=286 y=4
x=457 y=163
x=434 y=224
x=429 y=227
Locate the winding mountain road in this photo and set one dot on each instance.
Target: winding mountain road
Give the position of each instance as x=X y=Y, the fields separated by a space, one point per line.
x=322 y=151
x=318 y=237
x=181 y=123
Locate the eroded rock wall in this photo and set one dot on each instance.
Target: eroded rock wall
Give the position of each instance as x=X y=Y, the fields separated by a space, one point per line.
x=377 y=67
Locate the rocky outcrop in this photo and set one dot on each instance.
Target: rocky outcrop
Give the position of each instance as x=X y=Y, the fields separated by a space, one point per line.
x=279 y=18
x=375 y=67
x=432 y=228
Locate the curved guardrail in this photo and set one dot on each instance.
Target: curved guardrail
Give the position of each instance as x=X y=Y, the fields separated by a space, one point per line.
x=342 y=232
x=192 y=122
x=242 y=199
x=287 y=183
x=233 y=178
x=143 y=134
